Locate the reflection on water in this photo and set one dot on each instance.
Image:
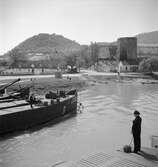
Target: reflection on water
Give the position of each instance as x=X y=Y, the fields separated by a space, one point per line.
x=104 y=125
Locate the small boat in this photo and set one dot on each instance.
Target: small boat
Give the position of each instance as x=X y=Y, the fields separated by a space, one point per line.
x=22 y=115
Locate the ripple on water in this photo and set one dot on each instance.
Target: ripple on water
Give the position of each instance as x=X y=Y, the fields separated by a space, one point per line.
x=107 y=112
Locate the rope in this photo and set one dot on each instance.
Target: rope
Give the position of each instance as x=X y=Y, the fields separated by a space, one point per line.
x=131 y=141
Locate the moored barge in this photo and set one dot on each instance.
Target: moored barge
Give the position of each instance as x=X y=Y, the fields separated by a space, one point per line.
x=19 y=115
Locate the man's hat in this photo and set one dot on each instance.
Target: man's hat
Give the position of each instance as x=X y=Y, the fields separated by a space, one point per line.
x=136 y=112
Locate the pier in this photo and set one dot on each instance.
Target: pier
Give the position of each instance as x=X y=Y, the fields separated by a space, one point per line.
x=148 y=157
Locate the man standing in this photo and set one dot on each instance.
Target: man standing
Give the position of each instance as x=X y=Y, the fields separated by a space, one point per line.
x=136 y=131
x=32 y=100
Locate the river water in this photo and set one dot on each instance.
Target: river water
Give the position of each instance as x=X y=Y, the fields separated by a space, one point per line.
x=104 y=125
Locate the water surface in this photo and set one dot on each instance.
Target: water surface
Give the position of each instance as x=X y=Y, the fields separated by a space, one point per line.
x=105 y=124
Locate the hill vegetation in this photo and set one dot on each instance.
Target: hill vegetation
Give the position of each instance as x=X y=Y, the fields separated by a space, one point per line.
x=47 y=43
x=149 y=65
x=45 y=50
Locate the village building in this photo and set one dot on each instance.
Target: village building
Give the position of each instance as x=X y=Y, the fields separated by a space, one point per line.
x=111 y=54
x=107 y=56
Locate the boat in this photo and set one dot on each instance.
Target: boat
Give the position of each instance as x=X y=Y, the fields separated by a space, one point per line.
x=22 y=114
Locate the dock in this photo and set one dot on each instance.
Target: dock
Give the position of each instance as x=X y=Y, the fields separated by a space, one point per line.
x=148 y=157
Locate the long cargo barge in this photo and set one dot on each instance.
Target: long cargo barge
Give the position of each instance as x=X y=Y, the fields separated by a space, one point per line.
x=21 y=116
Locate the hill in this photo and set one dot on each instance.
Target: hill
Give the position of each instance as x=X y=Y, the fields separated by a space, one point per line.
x=48 y=43
x=148 y=38
x=42 y=48
x=47 y=50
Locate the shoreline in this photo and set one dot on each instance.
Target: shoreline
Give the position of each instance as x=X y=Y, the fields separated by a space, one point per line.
x=41 y=84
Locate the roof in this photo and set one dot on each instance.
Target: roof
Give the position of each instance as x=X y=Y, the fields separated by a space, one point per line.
x=127 y=38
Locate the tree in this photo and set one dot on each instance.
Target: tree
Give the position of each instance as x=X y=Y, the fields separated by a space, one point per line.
x=4 y=63
x=149 y=65
x=17 y=57
x=71 y=59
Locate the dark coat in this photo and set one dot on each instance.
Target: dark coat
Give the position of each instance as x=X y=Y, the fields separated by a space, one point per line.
x=136 y=127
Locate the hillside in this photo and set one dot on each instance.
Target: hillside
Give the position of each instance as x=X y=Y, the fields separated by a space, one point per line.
x=46 y=43
x=48 y=50
x=148 y=38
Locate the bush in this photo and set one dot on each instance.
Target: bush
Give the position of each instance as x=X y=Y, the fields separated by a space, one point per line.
x=149 y=65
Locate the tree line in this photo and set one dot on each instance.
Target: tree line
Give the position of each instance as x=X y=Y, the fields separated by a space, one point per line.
x=81 y=58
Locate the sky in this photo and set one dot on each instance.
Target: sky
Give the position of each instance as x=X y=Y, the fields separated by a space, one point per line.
x=81 y=20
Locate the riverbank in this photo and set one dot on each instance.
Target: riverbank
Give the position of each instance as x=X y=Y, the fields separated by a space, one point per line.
x=94 y=78
x=41 y=86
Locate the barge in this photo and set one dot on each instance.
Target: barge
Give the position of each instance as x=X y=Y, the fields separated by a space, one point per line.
x=20 y=115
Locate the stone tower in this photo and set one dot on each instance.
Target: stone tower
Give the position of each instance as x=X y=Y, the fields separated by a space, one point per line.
x=127 y=49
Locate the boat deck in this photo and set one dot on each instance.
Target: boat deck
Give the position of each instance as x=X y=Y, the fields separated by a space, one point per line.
x=147 y=158
x=22 y=105
x=14 y=106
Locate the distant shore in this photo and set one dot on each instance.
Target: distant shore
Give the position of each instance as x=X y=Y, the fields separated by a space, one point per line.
x=42 y=84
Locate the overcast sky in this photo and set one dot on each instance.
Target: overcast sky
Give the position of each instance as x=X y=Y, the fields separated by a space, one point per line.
x=80 y=20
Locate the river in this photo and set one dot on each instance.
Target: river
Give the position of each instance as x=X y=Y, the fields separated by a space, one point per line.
x=104 y=125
